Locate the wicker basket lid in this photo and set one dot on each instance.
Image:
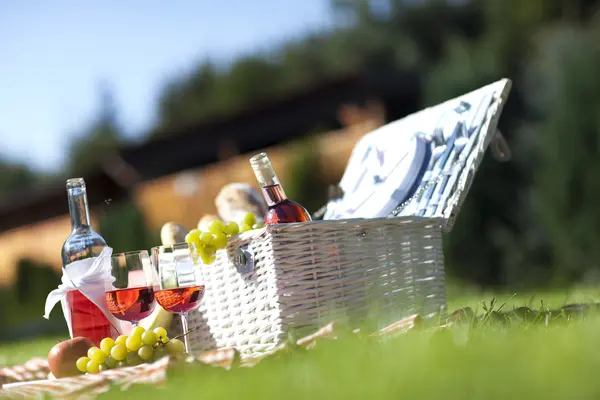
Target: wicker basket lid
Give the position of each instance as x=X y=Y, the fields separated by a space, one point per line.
x=432 y=157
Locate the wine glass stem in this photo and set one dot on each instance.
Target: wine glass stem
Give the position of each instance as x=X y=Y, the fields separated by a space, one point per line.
x=184 y=328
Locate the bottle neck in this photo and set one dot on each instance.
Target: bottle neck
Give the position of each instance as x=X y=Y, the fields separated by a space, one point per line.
x=267 y=179
x=274 y=194
x=78 y=207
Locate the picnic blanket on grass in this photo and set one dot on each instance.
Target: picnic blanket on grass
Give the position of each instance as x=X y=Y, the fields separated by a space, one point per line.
x=30 y=380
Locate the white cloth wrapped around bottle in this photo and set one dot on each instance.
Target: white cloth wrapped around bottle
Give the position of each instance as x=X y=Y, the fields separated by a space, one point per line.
x=89 y=276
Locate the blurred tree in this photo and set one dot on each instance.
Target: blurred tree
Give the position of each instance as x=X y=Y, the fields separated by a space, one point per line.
x=14 y=178
x=188 y=99
x=303 y=60
x=101 y=137
x=25 y=300
x=306 y=184
x=566 y=190
x=124 y=228
x=34 y=282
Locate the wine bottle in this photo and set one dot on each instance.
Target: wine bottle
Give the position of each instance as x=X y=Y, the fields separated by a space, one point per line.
x=281 y=210
x=83 y=244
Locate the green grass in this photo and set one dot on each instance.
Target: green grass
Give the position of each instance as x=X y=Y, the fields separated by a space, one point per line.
x=19 y=352
x=557 y=360
x=461 y=296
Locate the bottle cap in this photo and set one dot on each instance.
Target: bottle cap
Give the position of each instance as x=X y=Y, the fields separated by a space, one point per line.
x=75 y=183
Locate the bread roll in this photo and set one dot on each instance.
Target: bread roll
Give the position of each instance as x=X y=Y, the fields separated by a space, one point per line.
x=236 y=199
x=172 y=233
x=205 y=222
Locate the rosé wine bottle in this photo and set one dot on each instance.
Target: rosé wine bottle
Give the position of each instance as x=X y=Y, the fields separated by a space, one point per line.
x=87 y=319
x=281 y=209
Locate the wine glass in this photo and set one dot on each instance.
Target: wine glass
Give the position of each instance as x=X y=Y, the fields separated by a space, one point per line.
x=130 y=287
x=180 y=280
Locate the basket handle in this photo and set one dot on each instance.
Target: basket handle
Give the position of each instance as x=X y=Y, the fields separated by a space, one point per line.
x=500 y=148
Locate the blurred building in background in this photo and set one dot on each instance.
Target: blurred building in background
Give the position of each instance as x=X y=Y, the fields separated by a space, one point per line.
x=176 y=177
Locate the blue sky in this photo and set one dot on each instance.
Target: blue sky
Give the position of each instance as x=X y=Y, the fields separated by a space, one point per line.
x=54 y=55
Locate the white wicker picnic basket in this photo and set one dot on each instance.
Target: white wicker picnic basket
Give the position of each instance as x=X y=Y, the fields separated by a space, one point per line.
x=291 y=278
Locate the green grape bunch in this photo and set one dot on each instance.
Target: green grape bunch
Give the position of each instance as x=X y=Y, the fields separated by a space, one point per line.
x=249 y=223
x=206 y=244
x=141 y=346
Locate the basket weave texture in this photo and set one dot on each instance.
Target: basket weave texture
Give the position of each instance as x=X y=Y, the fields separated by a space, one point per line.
x=304 y=275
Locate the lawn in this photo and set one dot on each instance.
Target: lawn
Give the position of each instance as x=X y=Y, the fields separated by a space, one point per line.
x=19 y=352
x=553 y=360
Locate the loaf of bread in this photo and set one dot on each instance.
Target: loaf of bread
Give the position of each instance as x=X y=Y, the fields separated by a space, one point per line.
x=236 y=199
x=172 y=233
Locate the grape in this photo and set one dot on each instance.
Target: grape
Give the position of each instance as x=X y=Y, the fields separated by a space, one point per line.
x=134 y=343
x=232 y=229
x=249 y=219
x=149 y=338
x=175 y=346
x=210 y=250
x=133 y=359
x=121 y=364
x=119 y=352
x=206 y=259
x=91 y=351
x=146 y=352
x=106 y=344
x=160 y=332
x=217 y=227
x=160 y=352
x=82 y=363
x=207 y=254
x=220 y=241
x=137 y=331
x=206 y=238
x=245 y=228
x=102 y=367
x=192 y=236
x=93 y=367
x=121 y=340
x=98 y=356
x=164 y=339
x=111 y=362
